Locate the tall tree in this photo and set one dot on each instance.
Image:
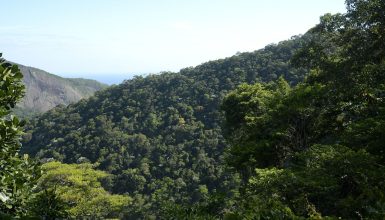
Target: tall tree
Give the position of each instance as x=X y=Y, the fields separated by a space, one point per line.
x=323 y=141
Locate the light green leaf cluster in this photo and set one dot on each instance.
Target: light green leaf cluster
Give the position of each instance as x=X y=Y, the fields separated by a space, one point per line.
x=79 y=186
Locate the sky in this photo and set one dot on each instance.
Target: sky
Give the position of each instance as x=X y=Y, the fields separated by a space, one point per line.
x=110 y=40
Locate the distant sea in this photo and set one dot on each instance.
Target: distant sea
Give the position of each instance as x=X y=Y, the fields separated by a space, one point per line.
x=109 y=79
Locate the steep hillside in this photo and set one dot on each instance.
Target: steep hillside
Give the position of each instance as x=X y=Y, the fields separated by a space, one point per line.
x=160 y=135
x=44 y=90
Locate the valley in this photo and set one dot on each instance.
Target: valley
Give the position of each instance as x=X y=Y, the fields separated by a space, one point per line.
x=294 y=130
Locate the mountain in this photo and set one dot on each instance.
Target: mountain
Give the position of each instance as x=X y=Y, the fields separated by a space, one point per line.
x=160 y=135
x=299 y=142
x=44 y=91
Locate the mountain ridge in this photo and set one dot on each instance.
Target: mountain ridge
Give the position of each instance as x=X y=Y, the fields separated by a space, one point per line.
x=160 y=135
x=44 y=90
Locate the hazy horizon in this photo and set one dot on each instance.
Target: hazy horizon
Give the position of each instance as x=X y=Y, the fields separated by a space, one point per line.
x=106 y=78
x=88 y=38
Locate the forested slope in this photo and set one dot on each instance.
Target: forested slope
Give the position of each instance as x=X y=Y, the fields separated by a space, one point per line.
x=160 y=135
x=316 y=150
x=302 y=148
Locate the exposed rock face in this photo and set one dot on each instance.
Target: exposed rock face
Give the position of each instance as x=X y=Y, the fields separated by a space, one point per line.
x=44 y=91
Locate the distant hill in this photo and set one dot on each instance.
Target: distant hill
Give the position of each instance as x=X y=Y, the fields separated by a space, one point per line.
x=44 y=91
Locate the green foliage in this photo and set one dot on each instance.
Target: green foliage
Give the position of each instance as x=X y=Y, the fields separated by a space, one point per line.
x=48 y=204
x=249 y=116
x=17 y=173
x=160 y=136
x=312 y=150
x=327 y=180
x=318 y=148
x=75 y=190
x=211 y=206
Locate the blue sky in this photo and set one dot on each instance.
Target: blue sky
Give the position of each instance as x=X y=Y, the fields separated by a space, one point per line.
x=95 y=38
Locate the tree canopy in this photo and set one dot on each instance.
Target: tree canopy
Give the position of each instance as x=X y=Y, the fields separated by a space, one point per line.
x=293 y=131
x=317 y=149
x=75 y=191
x=160 y=136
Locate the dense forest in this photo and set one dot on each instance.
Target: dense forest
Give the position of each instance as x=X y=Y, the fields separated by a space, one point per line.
x=160 y=136
x=292 y=131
